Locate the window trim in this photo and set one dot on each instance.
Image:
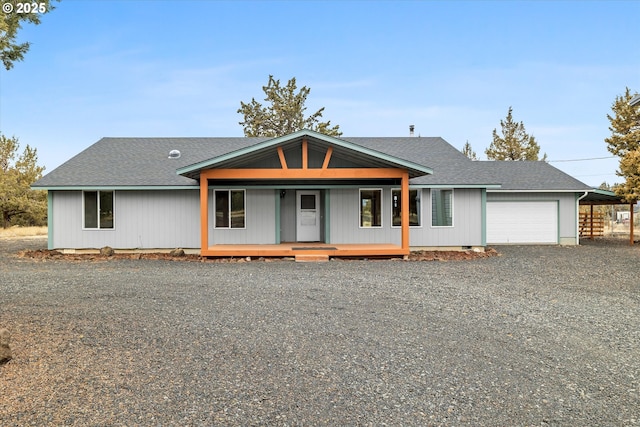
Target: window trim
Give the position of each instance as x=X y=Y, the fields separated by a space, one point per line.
x=244 y=201
x=420 y=192
x=113 y=201
x=431 y=190
x=360 y=190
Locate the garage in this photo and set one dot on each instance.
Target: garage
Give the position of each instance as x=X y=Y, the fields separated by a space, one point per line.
x=532 y=222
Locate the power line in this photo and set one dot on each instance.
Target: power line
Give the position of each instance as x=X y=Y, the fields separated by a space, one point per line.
x=595 y=174
x=580 y=160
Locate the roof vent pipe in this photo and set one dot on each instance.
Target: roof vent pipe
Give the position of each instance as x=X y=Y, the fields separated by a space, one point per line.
x=411 y=128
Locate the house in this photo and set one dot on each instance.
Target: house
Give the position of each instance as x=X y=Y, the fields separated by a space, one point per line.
x=303 y=193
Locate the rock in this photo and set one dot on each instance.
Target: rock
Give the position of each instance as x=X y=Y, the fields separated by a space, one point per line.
x=107 y=251
x=177 y=252
x=5 y=349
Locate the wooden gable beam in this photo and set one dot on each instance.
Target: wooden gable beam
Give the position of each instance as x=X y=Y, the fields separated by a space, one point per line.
x=327 y=157
x=305 y=154
x=283 y=160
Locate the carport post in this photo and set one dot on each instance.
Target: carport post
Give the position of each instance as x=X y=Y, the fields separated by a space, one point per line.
x=631 y=223
x=591 y=225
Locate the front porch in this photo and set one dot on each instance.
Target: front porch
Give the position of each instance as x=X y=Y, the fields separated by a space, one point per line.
x=300 y=250
x=311 y=164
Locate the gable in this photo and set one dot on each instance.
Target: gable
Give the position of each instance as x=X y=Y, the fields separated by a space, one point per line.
x=305 y=149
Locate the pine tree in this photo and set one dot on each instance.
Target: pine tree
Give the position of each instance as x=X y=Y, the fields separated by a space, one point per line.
x=11 y=21
x=468 y=151
x=514 y=144
x=624 y=142
x=284 y=115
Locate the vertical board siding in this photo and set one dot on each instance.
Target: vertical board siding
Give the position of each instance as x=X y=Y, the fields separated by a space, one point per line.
x=288 y=216
x=67 y=219
x=170 y=219
x=567 y=215
x=143 y=220
x=466 y=230
x=260 y=221
x=345 y=219
x=467 y=221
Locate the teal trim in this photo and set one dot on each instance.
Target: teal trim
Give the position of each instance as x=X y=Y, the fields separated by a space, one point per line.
x=197 y=187
x=327 y=217
x=602 y=192
x=297 y=187
x=118 y=187
x=483 y=214
x=558 y=220
x=322 y=186
x=447 y=186
x=49 y=220
x=277 y=197
x=299 y=134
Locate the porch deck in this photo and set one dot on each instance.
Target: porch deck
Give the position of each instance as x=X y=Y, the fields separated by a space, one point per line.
x=306 y=248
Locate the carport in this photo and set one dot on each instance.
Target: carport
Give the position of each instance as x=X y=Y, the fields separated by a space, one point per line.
x=599 y=197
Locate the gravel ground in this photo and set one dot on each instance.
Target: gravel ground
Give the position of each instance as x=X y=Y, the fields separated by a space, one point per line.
x=537 y=336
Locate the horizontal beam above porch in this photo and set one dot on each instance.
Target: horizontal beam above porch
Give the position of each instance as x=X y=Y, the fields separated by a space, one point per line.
x=337 y=173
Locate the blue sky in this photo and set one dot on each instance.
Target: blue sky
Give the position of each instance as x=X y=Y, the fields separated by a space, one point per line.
x=180 y=68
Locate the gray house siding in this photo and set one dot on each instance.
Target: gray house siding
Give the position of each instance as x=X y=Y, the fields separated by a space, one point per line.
x=467 y=222
x=567 y=210
x=344 y=219
x=288 y=216
x=260 y=221
x=171 y=218
x=143 y=220
x=466 y=229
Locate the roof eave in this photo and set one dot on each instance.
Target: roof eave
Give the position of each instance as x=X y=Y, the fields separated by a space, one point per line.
x=113 y=187
x=541 y=190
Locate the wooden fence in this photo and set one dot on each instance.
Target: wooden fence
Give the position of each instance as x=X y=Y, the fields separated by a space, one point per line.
x=591 y=224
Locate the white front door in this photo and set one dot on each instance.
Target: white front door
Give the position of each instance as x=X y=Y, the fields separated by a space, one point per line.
x=307 y=216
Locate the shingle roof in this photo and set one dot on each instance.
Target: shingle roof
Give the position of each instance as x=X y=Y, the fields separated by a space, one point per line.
x=144 y=162
x=138 y=161
x=527 y=175
x=450 y=166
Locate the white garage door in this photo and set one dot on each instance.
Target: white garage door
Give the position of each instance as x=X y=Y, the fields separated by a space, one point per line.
x=522 y=222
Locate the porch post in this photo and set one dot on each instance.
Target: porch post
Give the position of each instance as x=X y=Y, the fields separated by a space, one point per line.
x=404 y=194
x=204 y=213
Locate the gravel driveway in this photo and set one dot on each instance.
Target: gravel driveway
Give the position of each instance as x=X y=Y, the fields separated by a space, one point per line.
x=537 y=336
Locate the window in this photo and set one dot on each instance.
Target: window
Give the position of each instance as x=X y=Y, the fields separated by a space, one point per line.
x=229 y=206
x=371 y=208
x=98 y=209
x=396 y=208
x=441 y=208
